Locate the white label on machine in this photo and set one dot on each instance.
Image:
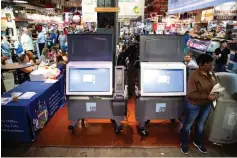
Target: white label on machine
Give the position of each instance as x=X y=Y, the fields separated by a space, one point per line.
x=90 y=107
x=160 y=107
x=232 y=119
x=163 y=79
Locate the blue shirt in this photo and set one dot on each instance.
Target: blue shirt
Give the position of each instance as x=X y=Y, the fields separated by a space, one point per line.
x=41 y=37
x=54 y=37
x=186 y=39
x=61 y=67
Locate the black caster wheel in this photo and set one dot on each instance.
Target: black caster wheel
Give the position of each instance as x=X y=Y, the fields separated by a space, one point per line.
x=118 y=129
x=144 y=132
x=112 y=120
x=72 y=129
x=147 y=122
x=172 y=120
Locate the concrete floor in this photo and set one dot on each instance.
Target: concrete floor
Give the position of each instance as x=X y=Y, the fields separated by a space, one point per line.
x=30 y=151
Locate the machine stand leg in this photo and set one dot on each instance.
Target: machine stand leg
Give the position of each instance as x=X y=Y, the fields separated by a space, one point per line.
x=142 y=129
x=118 y=126
x=72 y=126
x=83 y=123
x=172 y=120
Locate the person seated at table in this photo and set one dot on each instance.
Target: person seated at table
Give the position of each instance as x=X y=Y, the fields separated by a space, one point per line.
x=53 y=54
x=64 y=56
x=189 y=62
x=33 y=60
x=61 y=65
x=44 y=56
x=57 y=46
x=25 y=72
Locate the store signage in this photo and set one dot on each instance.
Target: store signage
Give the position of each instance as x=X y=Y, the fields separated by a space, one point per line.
x=226 y=11
x=131 y=8
x=44 y=18
x=88 y=10
x=181 y=6
x=207 y=15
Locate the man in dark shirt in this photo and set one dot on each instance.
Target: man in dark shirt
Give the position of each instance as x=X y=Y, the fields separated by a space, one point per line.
x=222 y=57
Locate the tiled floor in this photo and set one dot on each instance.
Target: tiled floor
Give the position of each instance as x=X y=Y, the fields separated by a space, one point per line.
x=108 y=152
x=75 y=143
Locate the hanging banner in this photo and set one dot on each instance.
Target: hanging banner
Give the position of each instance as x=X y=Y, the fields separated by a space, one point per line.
x=88 y=10
x=131 y=8
x=226 y=11
x=181 y=6
x=207 y=15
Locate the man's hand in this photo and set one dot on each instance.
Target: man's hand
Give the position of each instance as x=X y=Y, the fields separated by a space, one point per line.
x=3 y=59
x=212 y=97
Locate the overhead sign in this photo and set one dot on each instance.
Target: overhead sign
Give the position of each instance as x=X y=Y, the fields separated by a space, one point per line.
x=88 y=10
x=181 y=6
x=226 y=11
x=131 y=8
x=207 y=15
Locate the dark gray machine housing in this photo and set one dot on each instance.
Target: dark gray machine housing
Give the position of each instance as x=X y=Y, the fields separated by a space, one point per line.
x=96 y=47
x=161 y=48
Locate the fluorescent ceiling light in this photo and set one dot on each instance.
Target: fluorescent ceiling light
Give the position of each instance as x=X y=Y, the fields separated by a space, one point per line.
x=20 y=1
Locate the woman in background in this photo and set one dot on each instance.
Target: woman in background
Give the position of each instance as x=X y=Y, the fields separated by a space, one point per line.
x=25 y=72
x=44 y=56
x=33 y=60
x=199 y=102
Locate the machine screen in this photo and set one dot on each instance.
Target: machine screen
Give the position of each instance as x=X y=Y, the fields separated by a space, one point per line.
x=89 y=80
x=163 y=80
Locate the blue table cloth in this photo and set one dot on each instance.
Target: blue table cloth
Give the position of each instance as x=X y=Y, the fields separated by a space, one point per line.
x=22 y=120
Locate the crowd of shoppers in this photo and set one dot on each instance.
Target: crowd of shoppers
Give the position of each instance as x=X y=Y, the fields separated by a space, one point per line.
x=52 y=48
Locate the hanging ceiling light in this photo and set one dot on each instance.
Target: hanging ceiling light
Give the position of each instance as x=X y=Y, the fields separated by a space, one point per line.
x=20 y=1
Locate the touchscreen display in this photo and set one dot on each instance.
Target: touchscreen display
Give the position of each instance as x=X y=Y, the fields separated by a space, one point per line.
x=163 y=80
x=89 y=80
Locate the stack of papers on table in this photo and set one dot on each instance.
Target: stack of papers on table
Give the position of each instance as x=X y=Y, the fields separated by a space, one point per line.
x=5 y=101
x=50 y=81
x=217 y=89
x=27 y=95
